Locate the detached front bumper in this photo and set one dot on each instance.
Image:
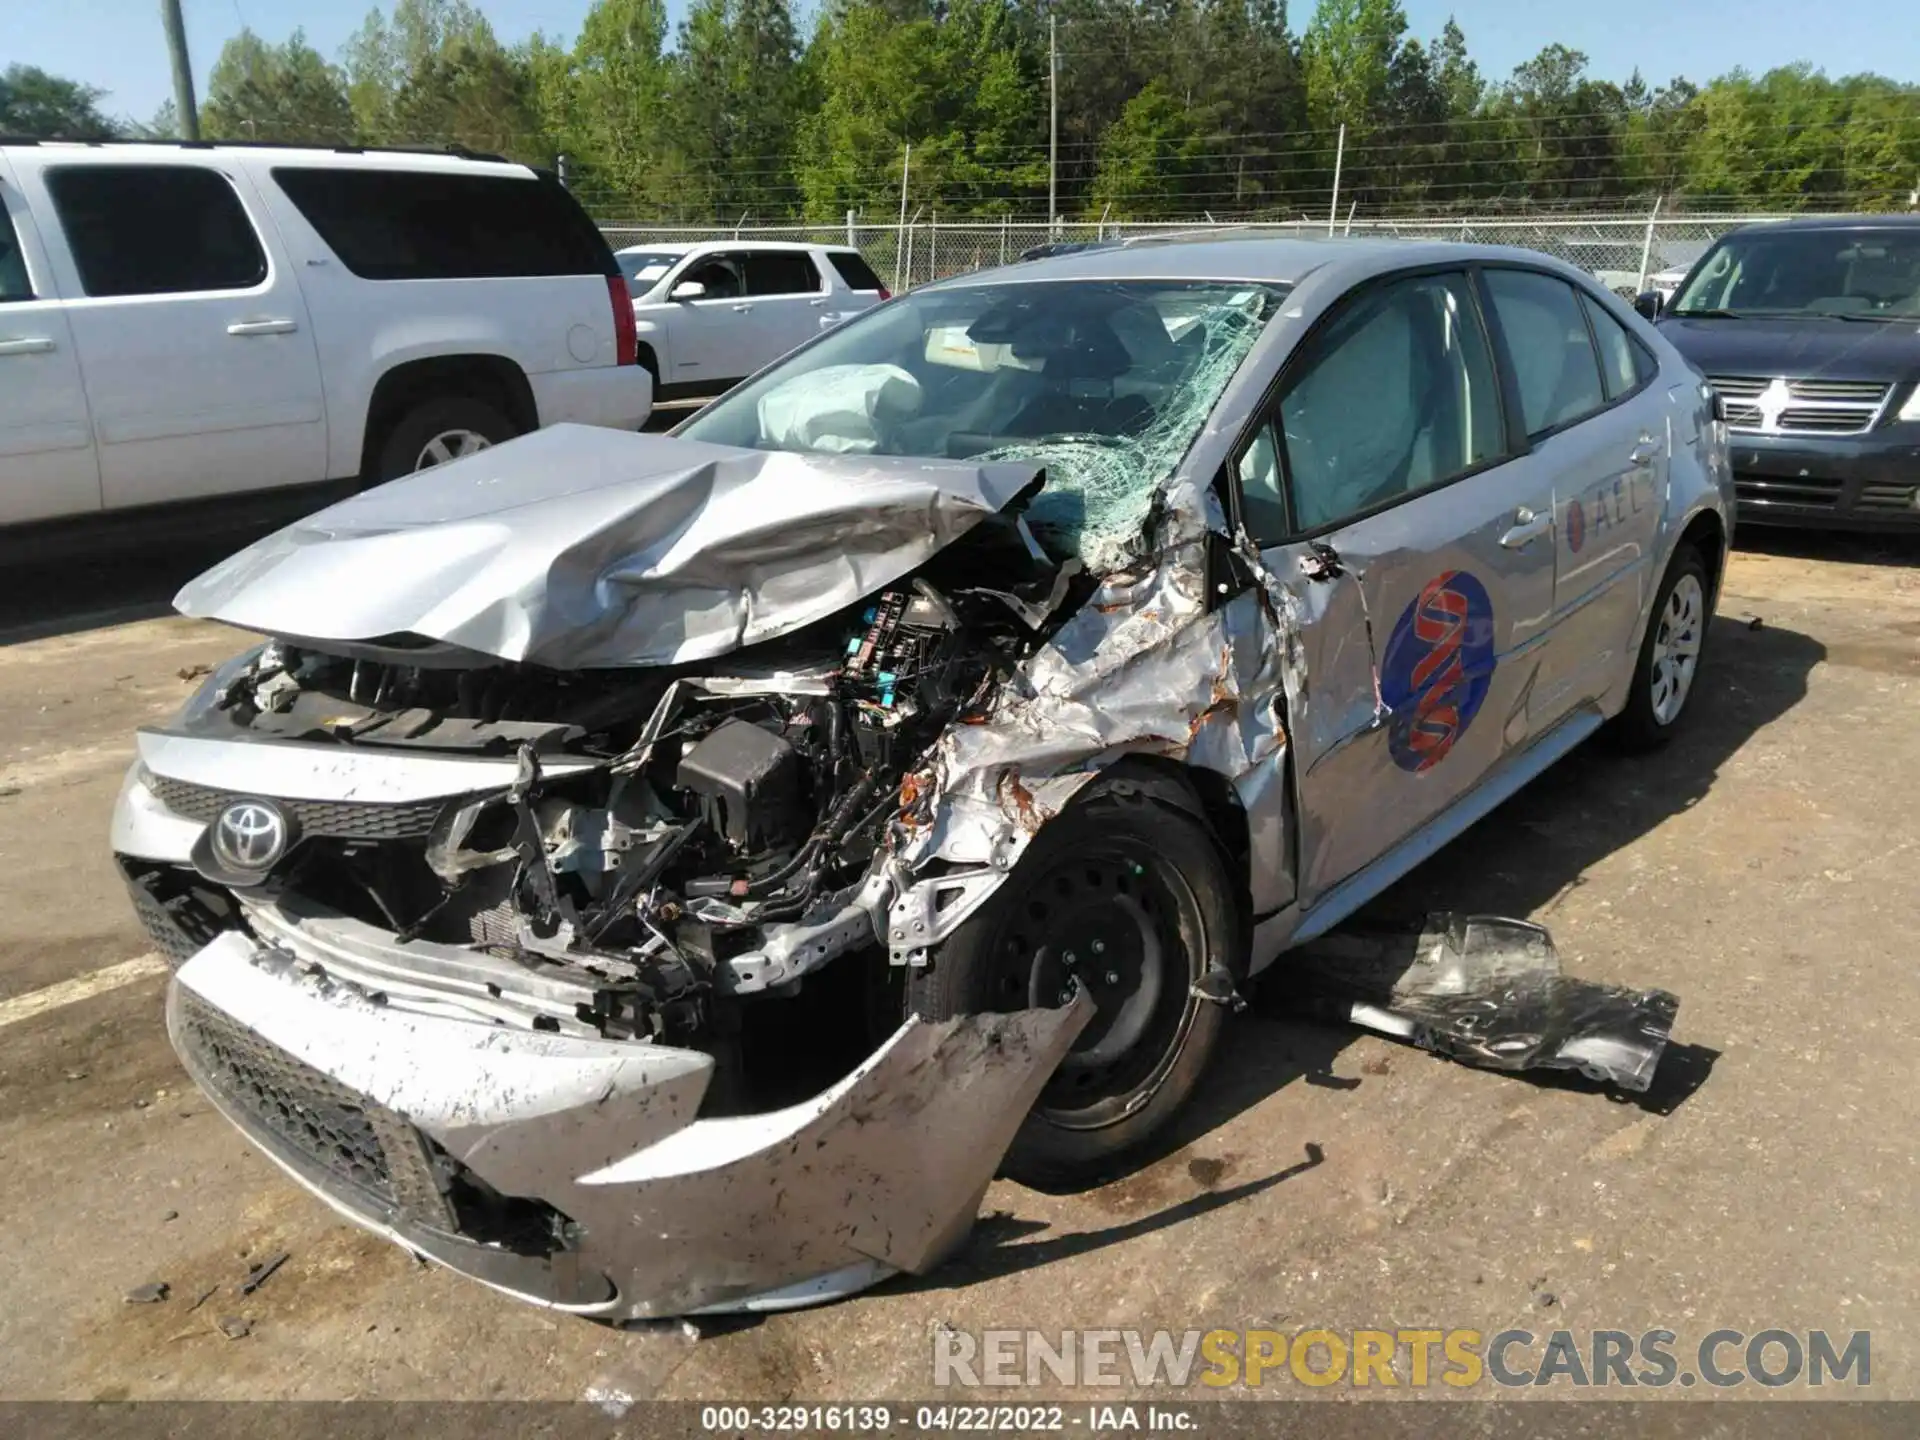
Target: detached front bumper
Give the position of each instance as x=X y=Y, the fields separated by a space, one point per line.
x=1854 y=482
x=574 y=1172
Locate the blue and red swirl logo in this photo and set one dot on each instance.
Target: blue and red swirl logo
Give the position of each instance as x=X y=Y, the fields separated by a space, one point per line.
x=1438 y=664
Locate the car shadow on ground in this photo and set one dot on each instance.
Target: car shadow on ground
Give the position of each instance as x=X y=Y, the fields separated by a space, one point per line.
x=114 y=585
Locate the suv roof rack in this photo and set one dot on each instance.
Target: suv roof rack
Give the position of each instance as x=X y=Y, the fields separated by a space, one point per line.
x=457 y=152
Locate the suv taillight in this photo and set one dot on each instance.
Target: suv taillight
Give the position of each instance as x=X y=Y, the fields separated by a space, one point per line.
x=885 y=294
x=626 y=341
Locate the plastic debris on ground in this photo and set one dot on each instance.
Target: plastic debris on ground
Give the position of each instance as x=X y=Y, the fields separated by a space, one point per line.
x=1486 y=991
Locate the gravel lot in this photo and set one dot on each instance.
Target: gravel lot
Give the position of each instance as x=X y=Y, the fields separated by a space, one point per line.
x=1760 y=868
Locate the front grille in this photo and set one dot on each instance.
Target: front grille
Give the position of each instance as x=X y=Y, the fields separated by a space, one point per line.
x=180 y=914
x=1805 y=491
x=291 y=1106
x=1886 y=495
x=342 y=819
x=1814 y=407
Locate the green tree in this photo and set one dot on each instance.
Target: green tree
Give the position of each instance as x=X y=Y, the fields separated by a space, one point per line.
x=737 y=90
x=1153 y=160
x=284 y=92
x=46 y=107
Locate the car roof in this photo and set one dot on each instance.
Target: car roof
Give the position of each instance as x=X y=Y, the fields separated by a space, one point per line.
x=687 y=247
x=1257 y=256
x=1835 y=222
x=342 y=157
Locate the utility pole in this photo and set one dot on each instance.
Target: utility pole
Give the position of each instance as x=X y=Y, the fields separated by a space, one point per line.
x=176 y=27
x=1340 y=154
x=1053 y=125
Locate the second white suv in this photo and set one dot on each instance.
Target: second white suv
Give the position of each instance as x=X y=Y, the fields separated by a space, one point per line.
x=197 y=323
x=712 y=313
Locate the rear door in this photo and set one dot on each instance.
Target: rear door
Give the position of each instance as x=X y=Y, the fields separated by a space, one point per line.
x=859 y=288
x=789 y=298
x=47 y=465
x=1594 y=418
x=1387 y=491
x=192 y=334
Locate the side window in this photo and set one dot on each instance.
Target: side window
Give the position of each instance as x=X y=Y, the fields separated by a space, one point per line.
x=854 y=270
x=1397 y=395
x=14 y=284
x=1624 y=362
x=720 y=274
x=1263 y=504
x=155 y=229
x=1553 y=359
x=436 y=225
x=781 y=272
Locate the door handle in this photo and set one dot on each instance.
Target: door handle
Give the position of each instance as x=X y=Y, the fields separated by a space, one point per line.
x=741 y=309
x=817 y=303
x=26 y=345
x=262 y=327
x=1644 y=452
x=1527 y=528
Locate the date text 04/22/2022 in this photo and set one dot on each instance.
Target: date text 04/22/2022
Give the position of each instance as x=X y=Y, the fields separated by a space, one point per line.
x=882 y=1419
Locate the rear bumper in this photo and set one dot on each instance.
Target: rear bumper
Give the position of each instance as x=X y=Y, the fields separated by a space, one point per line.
x=1856 y=482
x=619 y=397
x=573 y=1172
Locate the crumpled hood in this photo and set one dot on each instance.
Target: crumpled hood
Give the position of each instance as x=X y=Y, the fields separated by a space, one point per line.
x=576 y=547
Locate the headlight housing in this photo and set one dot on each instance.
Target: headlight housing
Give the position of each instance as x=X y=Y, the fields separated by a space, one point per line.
x=1911 y=410
x=203 y=700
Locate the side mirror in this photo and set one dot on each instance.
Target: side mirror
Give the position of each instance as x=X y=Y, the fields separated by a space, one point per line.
x=1650 y=303
x=688 y=290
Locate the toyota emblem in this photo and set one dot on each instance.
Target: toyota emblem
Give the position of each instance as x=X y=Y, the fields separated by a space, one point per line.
x=250 y=835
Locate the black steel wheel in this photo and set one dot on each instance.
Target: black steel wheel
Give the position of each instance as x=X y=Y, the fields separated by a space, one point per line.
x=1127 y=896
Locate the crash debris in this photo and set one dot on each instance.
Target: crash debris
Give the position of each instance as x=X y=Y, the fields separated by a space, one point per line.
x=1486 y=991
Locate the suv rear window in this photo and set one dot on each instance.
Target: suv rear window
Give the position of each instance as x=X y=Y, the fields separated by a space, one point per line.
x=415 y=225
x=854 y=270
x=155 y=229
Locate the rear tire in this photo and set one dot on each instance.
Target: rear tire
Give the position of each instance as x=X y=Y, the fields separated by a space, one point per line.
x=1127 y=893
x=1667 y=670
x=436 y=431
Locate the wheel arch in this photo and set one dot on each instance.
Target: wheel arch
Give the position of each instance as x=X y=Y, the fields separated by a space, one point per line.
x=491 y=378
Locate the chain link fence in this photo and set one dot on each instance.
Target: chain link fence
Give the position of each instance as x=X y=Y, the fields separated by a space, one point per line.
x=1620 y=250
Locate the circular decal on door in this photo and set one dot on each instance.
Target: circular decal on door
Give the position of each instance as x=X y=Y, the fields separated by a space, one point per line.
x=1576 y=526
x=1436 y=670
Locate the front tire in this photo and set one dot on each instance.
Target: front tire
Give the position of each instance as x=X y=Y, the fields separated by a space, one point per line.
x=1128 y=894
x=437 y=431
x=1668 y=666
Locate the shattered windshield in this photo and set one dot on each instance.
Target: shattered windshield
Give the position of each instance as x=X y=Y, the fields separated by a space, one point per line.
x=1106 y=382
x=1870 y=274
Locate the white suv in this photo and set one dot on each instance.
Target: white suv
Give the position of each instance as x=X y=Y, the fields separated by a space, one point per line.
x=713 y=313
x=190 y=323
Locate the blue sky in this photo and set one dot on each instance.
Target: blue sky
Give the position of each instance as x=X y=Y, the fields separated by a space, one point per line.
x=117 y=44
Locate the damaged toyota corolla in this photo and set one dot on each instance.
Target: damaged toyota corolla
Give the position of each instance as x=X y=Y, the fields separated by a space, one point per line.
x=653 y=874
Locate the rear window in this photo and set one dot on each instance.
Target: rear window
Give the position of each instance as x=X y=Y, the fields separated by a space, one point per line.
x=414 y=225
x=155 y=229
x=854 y=270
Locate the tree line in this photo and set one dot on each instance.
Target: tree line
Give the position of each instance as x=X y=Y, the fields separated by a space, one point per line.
x=1166 y=109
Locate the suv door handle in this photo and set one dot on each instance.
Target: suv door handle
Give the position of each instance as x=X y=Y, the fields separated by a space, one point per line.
x=817 y=303
x=1644 y=452
x=741 y=309
x=26 y=345
x=262 y=327
x=1527 y=528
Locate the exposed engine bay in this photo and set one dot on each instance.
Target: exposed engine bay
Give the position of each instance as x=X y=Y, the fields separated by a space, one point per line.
x=678 y=842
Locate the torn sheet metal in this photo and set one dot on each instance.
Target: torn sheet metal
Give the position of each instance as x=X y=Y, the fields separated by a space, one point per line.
x=576 y=547
x=653 y=1212
x=1150 y=664
x=1487 y=991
